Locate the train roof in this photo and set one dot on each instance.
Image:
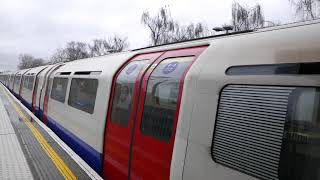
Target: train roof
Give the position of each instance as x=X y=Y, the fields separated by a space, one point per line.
x=20 y=72
x=207 y=40
x=36 y=70
x=103 y=64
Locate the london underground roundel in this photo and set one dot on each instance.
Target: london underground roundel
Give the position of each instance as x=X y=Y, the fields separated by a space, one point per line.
x=169 y=68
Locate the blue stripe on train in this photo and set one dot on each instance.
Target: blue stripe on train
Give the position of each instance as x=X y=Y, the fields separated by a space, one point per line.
x=38 y=113
x=85 y=151
x=25 y=103
x=15 y=94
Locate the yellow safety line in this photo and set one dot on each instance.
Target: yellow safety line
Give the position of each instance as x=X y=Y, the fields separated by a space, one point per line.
x=58 y=162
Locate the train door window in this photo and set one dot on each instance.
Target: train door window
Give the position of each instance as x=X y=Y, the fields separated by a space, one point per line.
x=122 y=100
x=30 y=82
x=161 y=97
x=59 y=88
x=25 y=81
x=17 y=79
x=83 y=93
x=300 y=156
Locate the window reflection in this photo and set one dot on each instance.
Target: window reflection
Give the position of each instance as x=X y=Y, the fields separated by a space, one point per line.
x=124 y=89
x=59 y=88
x=161 y=98
x=83 y=93
x=17 y=79
x=300 y=156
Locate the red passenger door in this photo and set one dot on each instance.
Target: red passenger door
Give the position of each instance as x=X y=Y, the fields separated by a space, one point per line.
x=48 y=83
x=158 y=113
x=35 y=89
x=34 y=94
x=143 y=114
x=121 y=115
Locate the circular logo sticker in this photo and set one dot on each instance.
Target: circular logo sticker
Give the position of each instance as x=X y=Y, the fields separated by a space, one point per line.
x=131 y=69
x=169 y=68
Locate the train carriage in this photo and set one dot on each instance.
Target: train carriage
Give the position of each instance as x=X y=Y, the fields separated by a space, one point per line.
x=11 y=81
x=18 y=80
x=29 y=86
x=6 y=80
x=41 y=90
x=79 y=93
x=250 y=108
x=3 y=76
x=238 y=106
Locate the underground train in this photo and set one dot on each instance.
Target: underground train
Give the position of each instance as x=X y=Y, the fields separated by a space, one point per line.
x=238 y=106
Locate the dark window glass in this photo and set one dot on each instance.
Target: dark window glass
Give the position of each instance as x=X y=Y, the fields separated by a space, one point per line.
x=30 y=82
x=25 y=81
x=274 y=69
x=161 y=98
x=17 y=79
x=83 y=94
x=59 y=88
x=300 y=156
x=122 y=100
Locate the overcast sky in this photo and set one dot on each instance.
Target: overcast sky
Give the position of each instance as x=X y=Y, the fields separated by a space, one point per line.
x=38 y=27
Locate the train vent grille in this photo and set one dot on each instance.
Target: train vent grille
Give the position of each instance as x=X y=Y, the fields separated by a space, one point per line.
x=249 y=128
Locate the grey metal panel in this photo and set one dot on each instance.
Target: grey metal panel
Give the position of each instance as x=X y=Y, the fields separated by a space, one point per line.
x=249 y=128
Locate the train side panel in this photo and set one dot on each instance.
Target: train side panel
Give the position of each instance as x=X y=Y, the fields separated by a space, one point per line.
x=73 y=117
x=208 y=89
x=18 y=82
x=40 y=91
x=29 y=85
x=11 y=82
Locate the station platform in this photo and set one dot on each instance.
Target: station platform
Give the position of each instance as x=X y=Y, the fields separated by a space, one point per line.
x=30 y=150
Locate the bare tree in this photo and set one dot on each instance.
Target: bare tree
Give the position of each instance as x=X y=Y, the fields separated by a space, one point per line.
x=306 y=9
x=160 y=25
x=118 y=44
x=163 y=29
x=244 y=18
x=58 y=56
x=101 y=47
x=76 y=50
x=28 y=61
x=79 y=50
x=72 y=51
x=182 y=33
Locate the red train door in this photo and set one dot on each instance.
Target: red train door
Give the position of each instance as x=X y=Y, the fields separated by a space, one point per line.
x=121 y=115
x=143 y=113
x=35 y=89
x=34 y=94
x=158 y=113
x=48 y=83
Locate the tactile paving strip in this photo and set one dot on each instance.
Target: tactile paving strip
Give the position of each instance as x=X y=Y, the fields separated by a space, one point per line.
x=13 y=164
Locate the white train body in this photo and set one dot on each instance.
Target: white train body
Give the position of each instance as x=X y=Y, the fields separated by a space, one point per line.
x=226 y=107
x=102 y=70
x=27 y=89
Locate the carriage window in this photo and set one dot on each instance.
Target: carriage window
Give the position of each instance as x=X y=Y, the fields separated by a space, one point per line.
x=17 y=79
x=122 y=100
x=30 y=82
x=300 y=156
x=59 y=88
x=83 y=93
x=161 y=98
x=25 y=81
